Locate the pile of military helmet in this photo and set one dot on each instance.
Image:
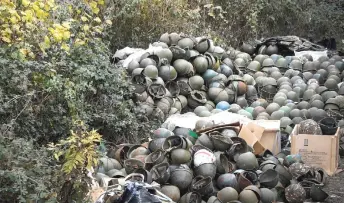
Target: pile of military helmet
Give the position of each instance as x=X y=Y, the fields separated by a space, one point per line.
x=191 y=72
x=218 y=166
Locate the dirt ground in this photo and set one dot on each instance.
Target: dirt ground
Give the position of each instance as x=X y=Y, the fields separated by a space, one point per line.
x=335 y=186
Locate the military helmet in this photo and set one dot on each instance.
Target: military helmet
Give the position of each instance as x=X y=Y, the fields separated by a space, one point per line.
x=249 y=79
x=254 y=66
x=272 y=49
x=226 y=70
x=268 y=62
x=324 y=65
x=331 y=84
x=183 y=67
x=319 y=78
x=247 y=48
x=295 y=193
x=260 y=58
x=247 y=161
x=151 y=71
x=196 y=82
x=296 y=65
x=203 y=45
x=240 y=64
x=309 y=66
x=309 y=126
x=272 y=108
x=167 y=72
x=186 y=43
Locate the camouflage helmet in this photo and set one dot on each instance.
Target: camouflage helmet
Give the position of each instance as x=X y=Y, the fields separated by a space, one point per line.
x=309 y=126
x=295 y=193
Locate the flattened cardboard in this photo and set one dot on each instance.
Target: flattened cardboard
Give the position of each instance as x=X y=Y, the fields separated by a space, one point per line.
x=317 y=150
x=251 y=137
x=266 y=133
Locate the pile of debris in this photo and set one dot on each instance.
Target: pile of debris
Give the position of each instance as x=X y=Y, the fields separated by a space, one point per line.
x=217 y=166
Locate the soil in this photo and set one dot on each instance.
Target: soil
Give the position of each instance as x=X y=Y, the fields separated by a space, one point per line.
x=335 y=186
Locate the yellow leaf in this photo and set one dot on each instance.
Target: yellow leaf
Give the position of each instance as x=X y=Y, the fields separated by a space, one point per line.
x=108 y=22
x=13 y=20
x=79 y=42
x=5 y=39
x=66 y=35
x=32 y=55
x=101 y=2
x=66 y=25
x=97 y=20
x=65 y=47
x=84 y=19
x=41 y=4
x=24 y=51
x=86 y=28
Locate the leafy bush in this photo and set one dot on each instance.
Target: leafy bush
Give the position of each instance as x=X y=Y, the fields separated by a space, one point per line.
x=26 y=172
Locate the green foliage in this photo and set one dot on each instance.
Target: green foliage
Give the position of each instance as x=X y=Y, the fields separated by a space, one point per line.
x=139 y=22
x=27 y=173
x=78 y=155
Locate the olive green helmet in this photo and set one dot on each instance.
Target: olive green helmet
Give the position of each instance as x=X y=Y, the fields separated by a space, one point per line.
x=196 y=82
x=186 y=43
x=309 y=67
x=240 y=64
x=247 y=161
x=203 y=45
x=151 y=71
x=254 y=66
x=282 y=64
x=296 y=65
x=200 y=64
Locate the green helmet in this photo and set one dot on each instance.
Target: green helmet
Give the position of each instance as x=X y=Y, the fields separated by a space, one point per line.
x=331 y=84
x=132 y=66
x=247 y=161
x=250 y=194
x=240 y=64
x=254 y=66
x=151 y=71
x=183 y=67
x=227 y=194
x=196 y=82
x=200 y=63
x=165 y=53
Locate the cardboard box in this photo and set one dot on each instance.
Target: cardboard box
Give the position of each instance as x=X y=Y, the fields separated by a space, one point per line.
x=262 y=135
x=317 y=150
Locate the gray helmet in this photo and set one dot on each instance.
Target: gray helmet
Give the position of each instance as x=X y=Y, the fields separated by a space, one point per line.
x=146 y=62
x=331 y=84
x=167 y=72
x=186 y=43
x=260 y=58
x=272 y=49
x=268 y=62
x=247 y=48
x=277 y=115
x=196 y=98
x=203 y=45
x=317 y=103
x=309 y=66
x=296 y=65
x=132 y=66
x=166 y=54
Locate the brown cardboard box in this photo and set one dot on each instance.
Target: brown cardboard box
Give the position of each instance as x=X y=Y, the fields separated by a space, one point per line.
x=262 y=135
x=317 y=150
